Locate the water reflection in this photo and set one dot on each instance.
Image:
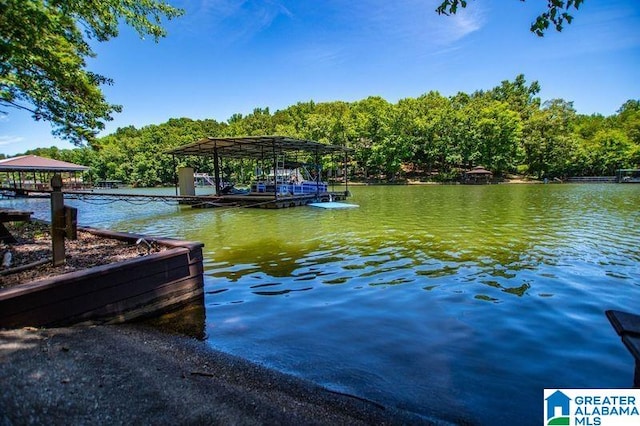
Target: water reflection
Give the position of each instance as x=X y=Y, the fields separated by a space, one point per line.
x=188 y=320
x=514 y=265
x=485 y=234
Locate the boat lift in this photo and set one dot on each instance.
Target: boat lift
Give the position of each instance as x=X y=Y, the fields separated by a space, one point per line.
x=273 y=154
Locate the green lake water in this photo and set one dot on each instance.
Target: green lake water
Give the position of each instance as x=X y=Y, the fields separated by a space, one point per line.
x=460 y=303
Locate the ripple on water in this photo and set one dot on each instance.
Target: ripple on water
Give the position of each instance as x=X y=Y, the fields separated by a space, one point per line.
x=451 y=301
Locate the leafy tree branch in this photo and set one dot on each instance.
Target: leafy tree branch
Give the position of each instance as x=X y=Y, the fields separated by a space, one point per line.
x=556 y=14
x=43 y=51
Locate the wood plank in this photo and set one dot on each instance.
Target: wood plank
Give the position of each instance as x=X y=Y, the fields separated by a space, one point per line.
x=120 y=290
x=9 y=215
x=61 y=301
x=167 y=297
x=126 y=296
x=96 y=285
x=89 y=280
x=166 y=290
x=633 y=344
x=153 y=308
x=132 y=238
x=624 y=323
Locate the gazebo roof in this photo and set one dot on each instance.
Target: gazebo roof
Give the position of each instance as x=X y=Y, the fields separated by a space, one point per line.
x=479 y=170
x=254 y=147
x=33 y=163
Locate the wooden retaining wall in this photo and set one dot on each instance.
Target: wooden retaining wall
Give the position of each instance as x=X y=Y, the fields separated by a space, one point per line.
x=117 y=292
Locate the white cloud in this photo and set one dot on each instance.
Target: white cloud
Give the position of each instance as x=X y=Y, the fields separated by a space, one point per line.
x=412 y=22
x=235 y=20
x=462 y=23
x=10 y=140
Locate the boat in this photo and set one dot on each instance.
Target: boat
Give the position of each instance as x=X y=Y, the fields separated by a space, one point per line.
x=291 y=179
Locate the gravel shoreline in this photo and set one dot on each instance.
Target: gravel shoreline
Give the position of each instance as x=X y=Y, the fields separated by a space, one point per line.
x=135 y=374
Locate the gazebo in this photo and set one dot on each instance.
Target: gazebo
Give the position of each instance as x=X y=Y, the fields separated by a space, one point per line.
x=33 y=173
x=478 y=175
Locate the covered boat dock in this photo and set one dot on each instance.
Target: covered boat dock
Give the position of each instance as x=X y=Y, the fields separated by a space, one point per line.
x=273 y=155
x=31 y=173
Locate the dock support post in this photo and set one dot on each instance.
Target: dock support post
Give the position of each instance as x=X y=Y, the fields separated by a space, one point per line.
x=175 y=173
x=317 y=161
x=216 y=170
x=636 y=377
x=275 y=173
x=185 y=181
x=346 y=178
x=57 y=221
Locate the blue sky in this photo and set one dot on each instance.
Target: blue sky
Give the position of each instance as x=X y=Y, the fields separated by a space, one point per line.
x=231 y=56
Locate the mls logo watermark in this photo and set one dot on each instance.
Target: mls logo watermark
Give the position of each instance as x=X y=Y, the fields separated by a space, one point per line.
x=592 y=407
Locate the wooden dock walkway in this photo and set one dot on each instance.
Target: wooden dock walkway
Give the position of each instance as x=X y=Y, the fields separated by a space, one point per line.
x=200 y=201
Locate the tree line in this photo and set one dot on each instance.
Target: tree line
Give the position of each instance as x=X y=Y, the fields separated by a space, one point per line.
x=506 y=129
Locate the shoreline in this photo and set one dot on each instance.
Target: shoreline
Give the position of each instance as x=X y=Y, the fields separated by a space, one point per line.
x=410 y=182
x=134 y=373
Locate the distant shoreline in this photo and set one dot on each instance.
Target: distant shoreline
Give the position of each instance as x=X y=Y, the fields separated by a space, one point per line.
x=518 y=181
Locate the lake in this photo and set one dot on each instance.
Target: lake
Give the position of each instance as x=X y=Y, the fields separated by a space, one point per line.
x=460 y=303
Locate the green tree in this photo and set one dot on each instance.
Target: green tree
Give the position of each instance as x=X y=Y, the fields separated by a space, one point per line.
x=369 y=132
x=609 y=150
x=44 y=45
x=258 y=123
x=549 y=141
x=586 y=126
x=557 y=13
x=420 y=123
x=520 y=96
x=629 y=119
x=499 y=131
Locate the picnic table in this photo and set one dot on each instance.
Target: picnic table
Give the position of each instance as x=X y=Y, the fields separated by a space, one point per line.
x=10 y=215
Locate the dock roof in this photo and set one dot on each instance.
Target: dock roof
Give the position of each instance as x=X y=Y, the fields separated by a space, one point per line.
x=254 y=147
x=38 y=164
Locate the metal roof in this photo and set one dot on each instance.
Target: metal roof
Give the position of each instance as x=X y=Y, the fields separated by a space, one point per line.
x=34 y=163
x=479 y=170
x=255 y=147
